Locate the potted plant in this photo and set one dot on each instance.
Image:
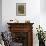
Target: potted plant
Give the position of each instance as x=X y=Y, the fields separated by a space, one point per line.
x=41 y=36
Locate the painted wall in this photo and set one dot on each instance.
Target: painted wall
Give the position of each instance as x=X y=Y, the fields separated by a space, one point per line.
x=43 y=14
x=33 y=13
x=9 y=11
x=0 y=15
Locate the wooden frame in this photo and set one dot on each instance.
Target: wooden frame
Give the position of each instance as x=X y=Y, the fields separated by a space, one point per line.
x=22 y=28
x=45 y=35
x=21 y=9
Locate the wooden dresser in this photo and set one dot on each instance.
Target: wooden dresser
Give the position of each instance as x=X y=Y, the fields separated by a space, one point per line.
x=22 y=33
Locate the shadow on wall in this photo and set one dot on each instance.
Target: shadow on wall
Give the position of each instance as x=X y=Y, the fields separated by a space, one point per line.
x=0 y=14
x=43 y=6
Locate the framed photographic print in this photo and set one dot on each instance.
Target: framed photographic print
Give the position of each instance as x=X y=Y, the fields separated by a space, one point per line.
x=21 y=9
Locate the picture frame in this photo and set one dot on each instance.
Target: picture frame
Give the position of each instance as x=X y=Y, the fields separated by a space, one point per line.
x=20 y=9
